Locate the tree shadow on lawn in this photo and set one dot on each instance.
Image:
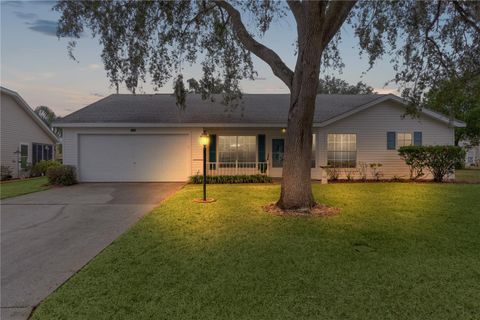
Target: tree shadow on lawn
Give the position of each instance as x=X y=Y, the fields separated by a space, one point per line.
x=396 y=251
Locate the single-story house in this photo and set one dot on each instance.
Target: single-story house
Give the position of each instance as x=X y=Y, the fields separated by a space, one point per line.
x=472 y=157
x=25 y=138
x=144 y=137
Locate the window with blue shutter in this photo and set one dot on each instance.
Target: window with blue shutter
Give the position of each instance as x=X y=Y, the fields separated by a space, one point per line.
x=417 y=138
x=391 y=140
x=212 y=151
x=261 y=153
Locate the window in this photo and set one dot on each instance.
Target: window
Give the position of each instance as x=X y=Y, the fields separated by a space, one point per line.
x=23 y=156
x=278 y=148
x=342 y=150
x=41 y=151
x=404 y=139
x=237 y=148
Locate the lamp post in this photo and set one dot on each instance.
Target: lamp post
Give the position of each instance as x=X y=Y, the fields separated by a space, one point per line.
x=204 y=141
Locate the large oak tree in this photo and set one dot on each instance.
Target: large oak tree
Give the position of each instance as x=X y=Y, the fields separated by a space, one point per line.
x=423 y=39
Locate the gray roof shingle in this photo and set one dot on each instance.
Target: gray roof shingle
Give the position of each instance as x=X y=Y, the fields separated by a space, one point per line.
x=254 y=108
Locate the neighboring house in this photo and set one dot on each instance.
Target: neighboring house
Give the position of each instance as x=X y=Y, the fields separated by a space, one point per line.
x=25 y=138
x=147 y=138
x=472 y=157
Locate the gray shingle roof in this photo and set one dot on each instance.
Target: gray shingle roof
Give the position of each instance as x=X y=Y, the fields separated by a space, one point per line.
x=254 y=108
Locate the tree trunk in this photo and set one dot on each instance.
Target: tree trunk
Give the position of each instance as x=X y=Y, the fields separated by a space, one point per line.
x=296 y=190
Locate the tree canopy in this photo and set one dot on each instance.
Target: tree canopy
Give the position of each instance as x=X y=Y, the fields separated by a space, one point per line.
x=460 y=99
x=48 y=116
x=425 y=40
x=332 y=85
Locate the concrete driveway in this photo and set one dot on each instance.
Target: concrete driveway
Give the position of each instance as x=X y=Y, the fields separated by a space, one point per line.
x=48 y=236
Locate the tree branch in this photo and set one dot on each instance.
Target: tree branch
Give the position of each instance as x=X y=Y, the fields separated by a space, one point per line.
x=337 y=13
x=465 y=15
x=296 y=8
x=279 y=68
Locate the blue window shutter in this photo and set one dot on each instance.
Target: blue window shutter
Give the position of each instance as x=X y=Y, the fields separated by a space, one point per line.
x=417 y=138
x=212 y=149
x=391 y=145
x=261 y=148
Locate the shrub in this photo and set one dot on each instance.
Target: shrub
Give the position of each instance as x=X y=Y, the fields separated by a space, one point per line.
x=416 y=159
x=6 y=173
x=362 y=170
x=254 y=178
x=376 y=171
x=350 y=174
x=332 y=173
x=439 y=160
x=62 y=175
x=40 y=168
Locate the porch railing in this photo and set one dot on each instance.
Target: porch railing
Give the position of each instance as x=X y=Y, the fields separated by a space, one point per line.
x=236 y=168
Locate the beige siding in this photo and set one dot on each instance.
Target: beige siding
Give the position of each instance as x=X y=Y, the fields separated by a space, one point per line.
x=17 y=127
x=70 y=141
x=371 y=126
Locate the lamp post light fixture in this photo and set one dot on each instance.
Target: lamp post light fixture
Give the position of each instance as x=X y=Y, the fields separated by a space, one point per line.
x=204 y=141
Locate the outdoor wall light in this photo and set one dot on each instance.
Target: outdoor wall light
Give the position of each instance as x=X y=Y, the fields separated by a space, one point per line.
x=284 y=130
x=204 y=141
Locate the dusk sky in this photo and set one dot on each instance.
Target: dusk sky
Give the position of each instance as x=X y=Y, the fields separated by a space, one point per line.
x=35 y=63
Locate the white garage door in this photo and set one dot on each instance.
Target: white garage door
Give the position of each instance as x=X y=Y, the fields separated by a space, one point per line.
x=129 y=158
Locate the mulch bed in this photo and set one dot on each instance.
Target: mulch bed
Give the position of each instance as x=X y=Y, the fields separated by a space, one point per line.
x=319 y=210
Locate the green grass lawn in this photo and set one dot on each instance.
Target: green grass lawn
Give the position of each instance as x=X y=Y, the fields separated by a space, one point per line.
x=396 y=251
x=468 y=175
x=16 y=188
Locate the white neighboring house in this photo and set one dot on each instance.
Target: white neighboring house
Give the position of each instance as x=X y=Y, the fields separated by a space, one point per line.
x=472 y=157
x=25 y=138
x=126 y=137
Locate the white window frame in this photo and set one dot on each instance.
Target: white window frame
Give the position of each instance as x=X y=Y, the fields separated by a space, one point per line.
x=236 y=146
x=356 y=150
x=403 y=134
x=20 y=156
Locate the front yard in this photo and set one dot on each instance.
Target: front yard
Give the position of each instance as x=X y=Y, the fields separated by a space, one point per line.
x=396 y=251
x=468 y=175
x=15 y=188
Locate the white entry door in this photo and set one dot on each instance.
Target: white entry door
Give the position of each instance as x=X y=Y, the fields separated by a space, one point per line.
x=134 y=158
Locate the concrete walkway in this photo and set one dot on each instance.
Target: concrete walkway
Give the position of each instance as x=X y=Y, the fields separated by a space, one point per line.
x=48 y=236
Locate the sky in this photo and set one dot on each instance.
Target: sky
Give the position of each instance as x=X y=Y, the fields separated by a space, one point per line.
x=35 y=63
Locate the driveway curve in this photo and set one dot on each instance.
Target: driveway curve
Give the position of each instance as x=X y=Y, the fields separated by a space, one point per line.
x=48 y=236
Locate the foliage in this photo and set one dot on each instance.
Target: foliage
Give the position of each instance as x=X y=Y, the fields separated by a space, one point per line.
x=48 y=116
x=439 y=160
x=6 y=173
x=396 y=251
x=253 y=178
x=415 y=158
x=40 y=168
x=332 y=85
x=64 y=175
x=363 y=170
x=376 y=170
x=350 y=174
x=332 y=173
x=460 y=99
x=19 y=187
x=427 y=40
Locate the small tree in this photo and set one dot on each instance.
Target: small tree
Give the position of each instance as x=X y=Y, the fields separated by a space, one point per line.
x=415 y=158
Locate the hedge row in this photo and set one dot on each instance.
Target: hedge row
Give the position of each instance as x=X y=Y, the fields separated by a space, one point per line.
x=254 y=178
x=439 y=160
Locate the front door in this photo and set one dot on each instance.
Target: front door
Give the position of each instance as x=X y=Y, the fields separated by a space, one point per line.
x=278 y=147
